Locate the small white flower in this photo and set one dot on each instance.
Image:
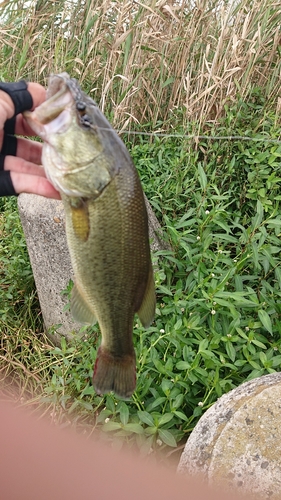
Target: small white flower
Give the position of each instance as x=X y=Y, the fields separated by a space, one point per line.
x=107 y=420
x=234 y=260
x=198 y=238
x=213 y=275
x=213 y=311
x=162 y=331
x=159 y=442
x=207 y=212
x=214 y=303
x=247 y=328
x=275 y=348
x=182 y=309
x=200 y=403
x=219 y=251
x=229 y=335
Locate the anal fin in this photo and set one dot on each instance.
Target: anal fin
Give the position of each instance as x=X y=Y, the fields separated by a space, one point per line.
x=80 y=310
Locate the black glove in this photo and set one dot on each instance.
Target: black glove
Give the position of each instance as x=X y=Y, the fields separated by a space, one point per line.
x=22 y=101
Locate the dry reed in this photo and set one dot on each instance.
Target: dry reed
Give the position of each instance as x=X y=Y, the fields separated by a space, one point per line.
x=143 y=61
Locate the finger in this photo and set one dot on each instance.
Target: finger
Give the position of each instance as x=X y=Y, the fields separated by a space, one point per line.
x=6 y=108
x=16 y=98
x=25 y=149
x=19 y=96
x=15 y=164
x=6 y=184
x=38 y=94
x=22 y=127
x=29 y=150
x=25 y=183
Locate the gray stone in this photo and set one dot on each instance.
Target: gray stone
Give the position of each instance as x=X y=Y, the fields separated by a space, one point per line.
x=156 y=235
x=237 y=442
x=44 y=228
x=43 y=223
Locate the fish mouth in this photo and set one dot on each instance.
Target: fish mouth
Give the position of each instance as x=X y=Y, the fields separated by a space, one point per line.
x=53 y=115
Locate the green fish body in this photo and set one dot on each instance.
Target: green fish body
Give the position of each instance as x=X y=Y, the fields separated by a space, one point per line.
x=106 y=226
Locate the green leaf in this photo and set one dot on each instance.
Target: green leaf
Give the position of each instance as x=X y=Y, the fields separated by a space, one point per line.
x=156 y=403
x=111 y=426
x=167 y=437
x=230 y=351
x=134 y=427
x=178 y=324
x=88 y=391
x=164 y=419
x=110 y=404
x=146 y=418
x=177 y=402
x=258 y=343
x=203 y=345
x=164 y=290
x=276 y=361
x=265 y=320
x=124 y=413
x=183 y=365
x=169 y=80
x=181 y=415
x=197 y=412
x=263 y=357
x=202 y=177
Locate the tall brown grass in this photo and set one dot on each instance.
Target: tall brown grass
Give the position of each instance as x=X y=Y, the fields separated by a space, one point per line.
x=145 y=60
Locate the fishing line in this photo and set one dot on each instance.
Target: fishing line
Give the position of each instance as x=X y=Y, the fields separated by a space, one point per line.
x=198 y=137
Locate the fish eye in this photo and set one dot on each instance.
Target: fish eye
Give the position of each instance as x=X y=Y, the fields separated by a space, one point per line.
x=80 y=106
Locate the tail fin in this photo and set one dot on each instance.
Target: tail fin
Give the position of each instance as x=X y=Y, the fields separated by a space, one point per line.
x=112 y=373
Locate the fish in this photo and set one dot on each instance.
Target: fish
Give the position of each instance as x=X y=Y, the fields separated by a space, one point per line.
x=106 y=226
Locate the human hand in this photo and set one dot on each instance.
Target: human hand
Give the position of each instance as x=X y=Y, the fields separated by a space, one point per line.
x=20 y=159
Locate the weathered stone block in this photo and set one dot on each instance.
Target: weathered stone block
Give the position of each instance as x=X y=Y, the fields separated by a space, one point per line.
x=44 y=228
x=237 y=442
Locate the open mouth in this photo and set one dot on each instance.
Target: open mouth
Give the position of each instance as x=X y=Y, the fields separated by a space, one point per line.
x=53 y=115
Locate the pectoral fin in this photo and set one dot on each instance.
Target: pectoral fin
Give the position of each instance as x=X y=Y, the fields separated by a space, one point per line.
x=80 y=310
x=80 y=218
x=146 y=311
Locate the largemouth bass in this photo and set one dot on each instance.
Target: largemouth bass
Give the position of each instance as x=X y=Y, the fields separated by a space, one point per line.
x=106 y=226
